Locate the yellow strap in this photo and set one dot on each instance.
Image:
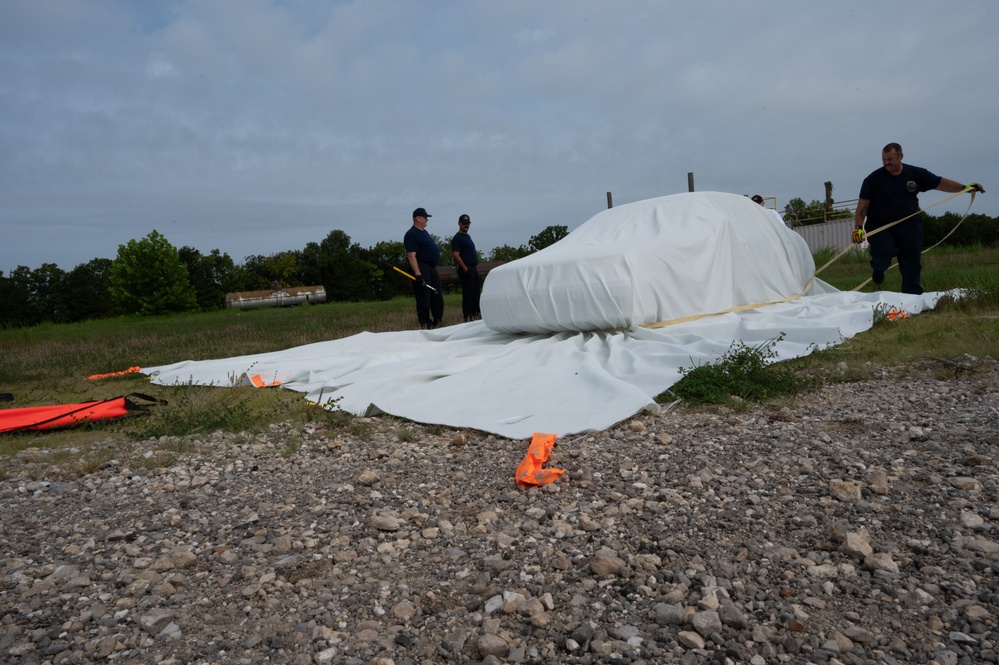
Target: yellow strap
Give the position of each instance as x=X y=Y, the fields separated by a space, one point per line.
x=694 y=317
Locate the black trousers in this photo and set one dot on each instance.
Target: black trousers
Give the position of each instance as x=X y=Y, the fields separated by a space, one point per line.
x=429 y=305
x=470 y=292
x=905 y=241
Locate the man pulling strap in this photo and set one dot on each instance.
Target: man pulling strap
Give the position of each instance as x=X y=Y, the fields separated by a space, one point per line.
x=887 y=195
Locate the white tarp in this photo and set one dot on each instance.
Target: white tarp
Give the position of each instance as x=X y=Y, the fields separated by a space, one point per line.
x=656 y=260
x=481 y=375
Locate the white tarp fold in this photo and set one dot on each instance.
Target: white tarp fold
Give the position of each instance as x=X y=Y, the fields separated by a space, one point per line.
x=490 y=376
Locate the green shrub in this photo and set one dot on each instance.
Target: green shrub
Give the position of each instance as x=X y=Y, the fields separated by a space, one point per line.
x=743 y=373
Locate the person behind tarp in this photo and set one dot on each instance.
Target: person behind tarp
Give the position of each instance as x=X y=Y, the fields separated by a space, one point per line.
x=466 y=262
x=758 y=200
x=424 y=255
x=888 y=195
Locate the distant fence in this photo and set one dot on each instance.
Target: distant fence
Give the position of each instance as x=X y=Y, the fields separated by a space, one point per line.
x=835 y=234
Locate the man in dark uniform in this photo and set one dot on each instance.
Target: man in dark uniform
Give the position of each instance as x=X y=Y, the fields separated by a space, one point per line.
x=890 y=194
x=466 y=262
x=424 y=255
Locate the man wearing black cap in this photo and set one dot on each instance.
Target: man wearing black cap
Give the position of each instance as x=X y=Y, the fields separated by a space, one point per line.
x=466 y=262
x=424 y=255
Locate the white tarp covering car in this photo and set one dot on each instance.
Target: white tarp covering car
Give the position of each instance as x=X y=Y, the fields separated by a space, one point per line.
x=651 y=261
x=587 y=332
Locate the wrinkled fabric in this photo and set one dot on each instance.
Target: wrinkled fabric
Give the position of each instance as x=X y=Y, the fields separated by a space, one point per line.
x=514 y=385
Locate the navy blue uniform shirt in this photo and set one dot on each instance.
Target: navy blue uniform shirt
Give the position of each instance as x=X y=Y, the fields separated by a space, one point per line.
x=462 y=243
x=419 y=241
x=893 y=197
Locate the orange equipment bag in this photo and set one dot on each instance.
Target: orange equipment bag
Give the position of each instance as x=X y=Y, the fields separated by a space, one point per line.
x=69 y=415
x=529 y=471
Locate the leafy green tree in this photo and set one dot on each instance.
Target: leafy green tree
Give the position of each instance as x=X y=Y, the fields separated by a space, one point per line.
x=549 y=236
x=282 y=267
x=794 y=210
x=799 y=213
x=16 y=305
x=341 y=268
x=508 y=253
x=46 y=285
x=975 y=230
x=384 y=256
x=444 y=245
x=148 y=278
x=87 y=291
x=212 y=276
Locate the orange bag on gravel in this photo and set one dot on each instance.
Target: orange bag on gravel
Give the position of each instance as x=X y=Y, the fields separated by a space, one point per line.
x=529 y=471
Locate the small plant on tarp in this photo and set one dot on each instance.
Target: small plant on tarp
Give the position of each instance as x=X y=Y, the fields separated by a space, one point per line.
x=743 y=373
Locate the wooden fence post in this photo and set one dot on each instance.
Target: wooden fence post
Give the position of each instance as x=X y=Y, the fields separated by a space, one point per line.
x=610 y=201
x=690 y=181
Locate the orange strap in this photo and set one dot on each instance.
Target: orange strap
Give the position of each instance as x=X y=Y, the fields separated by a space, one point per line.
x=529 y=471
x=130 y=370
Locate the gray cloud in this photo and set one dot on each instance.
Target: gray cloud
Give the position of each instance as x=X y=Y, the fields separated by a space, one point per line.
x=253 y=126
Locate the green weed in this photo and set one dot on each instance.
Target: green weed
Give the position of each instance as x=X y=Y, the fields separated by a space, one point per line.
x=743 y=373
x=291 y=445
x=361 y=429
x=197 y=409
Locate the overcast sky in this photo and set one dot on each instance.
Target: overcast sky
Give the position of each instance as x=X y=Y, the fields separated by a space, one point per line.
x=257 y=126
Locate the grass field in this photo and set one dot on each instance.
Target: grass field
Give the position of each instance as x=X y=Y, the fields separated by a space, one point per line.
x=49 y=364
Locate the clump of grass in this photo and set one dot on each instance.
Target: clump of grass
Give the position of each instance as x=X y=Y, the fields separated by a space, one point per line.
x=197 y=409
x=290 y=446
x=361 y=429
x=881 y=312
x=743 y=373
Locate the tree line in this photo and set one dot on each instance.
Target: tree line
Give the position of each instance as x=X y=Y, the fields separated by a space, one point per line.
x=150 y=276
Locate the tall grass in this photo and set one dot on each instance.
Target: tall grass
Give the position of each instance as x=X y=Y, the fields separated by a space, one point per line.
x=51 y=352
x=50 y=364
x=958 y=327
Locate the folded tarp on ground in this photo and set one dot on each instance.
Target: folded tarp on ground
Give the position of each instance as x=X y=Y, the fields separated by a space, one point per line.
x=514 y=385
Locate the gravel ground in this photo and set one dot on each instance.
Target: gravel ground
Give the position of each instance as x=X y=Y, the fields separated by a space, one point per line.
x=858 y=524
